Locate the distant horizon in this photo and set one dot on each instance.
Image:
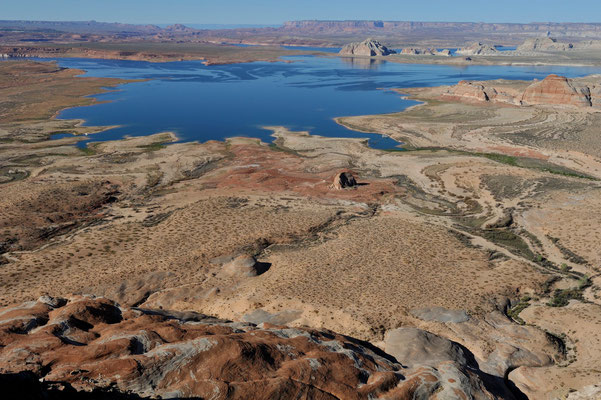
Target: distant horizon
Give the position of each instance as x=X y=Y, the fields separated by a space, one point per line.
x=259 y=25
x=276 y=12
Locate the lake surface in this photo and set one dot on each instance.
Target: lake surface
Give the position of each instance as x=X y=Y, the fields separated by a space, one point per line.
x=200 y=102
x=311 y=48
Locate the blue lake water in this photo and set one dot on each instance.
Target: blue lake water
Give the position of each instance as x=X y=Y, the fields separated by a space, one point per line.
x=200 y=102
x=310 y=48
x=507 y=48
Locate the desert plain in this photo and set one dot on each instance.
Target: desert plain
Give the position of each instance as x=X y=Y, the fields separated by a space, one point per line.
x=464 y=265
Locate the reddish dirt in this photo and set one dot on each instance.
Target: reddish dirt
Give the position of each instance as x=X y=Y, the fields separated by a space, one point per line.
x=261 y=169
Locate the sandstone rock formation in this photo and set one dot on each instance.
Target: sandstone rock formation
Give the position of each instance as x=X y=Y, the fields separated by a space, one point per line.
x=344 y=180
x=413 y=51
x=369 y=48
x=57 y=348
x=586 y=393
x=242 y=266
x=416 y=51
x=427 y=348
x=478 y=49
x=470 y=91
x=543 y=44
x=440 y=314
x=553 y=90
x=557 y=90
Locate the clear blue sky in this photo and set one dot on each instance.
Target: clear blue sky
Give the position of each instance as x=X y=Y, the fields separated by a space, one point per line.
x=277 y=11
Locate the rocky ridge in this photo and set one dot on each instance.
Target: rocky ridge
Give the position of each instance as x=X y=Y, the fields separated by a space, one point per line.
x=59 y=348
x=543 y=44
x=553 y=90
x=549 y=44
x=413 y=51
x=478 y=49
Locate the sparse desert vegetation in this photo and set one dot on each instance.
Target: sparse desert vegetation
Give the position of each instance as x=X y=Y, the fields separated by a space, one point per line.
x=484 y=230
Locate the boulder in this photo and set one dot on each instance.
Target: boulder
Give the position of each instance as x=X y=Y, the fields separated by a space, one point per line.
x=344 y=180
x=426 y=348
x=241 y=266
x=556 y=90
x=369 y=48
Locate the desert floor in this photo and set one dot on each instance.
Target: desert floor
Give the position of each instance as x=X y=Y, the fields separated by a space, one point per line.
x=485 y=230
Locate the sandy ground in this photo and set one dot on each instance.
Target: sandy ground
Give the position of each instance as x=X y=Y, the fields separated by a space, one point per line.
x=485 y=215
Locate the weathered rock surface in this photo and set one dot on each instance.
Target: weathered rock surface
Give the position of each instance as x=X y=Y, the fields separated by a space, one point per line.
x=242 y=266
x=553 y=90
x=414 y=51
x=441 y=314
x=470 y=91
x=455 y=369
x=586 y=393
x=369 y=47
x=478 y=49
x=557 y=90
x=344 y=180
x=511 y=345
x=63 y=348
x=426 y=348
x=543 y=44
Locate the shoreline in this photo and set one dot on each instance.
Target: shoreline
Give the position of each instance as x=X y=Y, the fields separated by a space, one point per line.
x=218 y=54
x=155 y=224
x=404 y=94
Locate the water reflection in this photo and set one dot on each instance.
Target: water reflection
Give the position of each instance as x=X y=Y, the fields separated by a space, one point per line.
x=363 y=62
x=201 y=102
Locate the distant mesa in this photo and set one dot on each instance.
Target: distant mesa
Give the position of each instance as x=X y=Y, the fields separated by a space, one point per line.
x=367 y=48
x=543 y=44
x=478 y=49
x=177 y=28
x=549 y=44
